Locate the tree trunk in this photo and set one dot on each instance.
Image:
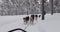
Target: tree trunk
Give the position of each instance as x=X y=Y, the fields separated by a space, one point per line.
x=42 y=9
x=51 y=3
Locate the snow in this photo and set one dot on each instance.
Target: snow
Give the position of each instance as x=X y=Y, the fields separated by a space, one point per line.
x=50 y=24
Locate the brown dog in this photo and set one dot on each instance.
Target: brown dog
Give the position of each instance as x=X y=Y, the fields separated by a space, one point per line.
x=31 y=19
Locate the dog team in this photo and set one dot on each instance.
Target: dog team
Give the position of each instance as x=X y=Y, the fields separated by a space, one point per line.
x=30 y=18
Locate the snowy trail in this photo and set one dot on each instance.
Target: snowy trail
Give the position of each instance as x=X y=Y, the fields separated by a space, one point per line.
x=11 y=22
x=50 y=24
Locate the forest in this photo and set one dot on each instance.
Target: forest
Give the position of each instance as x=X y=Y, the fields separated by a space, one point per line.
x=21 y=7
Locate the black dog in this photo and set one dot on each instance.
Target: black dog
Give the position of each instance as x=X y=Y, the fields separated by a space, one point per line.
x=26 y=19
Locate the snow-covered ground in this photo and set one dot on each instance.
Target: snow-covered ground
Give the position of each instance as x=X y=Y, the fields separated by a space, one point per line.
x=50 y=24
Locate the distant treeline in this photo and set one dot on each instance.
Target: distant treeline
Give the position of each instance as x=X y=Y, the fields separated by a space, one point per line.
x=21 y=7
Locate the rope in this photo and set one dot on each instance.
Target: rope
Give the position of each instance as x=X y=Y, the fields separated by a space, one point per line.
x=26 y=27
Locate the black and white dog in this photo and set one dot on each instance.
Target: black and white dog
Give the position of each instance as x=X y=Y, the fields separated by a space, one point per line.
x=26 y=19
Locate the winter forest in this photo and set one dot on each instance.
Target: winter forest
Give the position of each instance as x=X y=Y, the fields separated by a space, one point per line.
x=30 y=15
x=21 y=7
